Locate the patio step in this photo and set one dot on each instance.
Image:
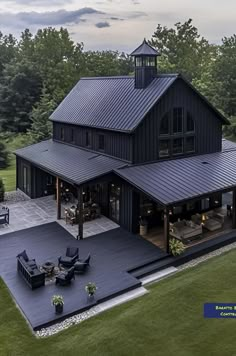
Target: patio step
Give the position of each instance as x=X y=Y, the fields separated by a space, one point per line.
x=154 y=277
x=152 y=267
x=123 y=298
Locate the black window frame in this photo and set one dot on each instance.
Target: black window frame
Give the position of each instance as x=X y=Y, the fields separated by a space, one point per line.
x=72 y=135
x=165 y=118
x=177 y=116
x=189 y=117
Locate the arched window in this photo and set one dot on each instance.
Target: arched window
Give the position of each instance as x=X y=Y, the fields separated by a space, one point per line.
x=190 y=124
x=165 y=125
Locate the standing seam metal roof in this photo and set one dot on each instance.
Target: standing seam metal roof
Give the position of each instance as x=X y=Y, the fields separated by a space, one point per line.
x=71 y=163
x=183 y=179
x=110 y=102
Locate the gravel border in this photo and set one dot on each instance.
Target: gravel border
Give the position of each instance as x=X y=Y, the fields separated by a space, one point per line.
x=15 y=197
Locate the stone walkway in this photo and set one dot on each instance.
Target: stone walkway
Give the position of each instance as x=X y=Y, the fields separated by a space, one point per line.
x=29 y=213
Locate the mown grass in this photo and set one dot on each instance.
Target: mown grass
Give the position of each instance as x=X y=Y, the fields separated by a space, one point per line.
x=167 y=321
x=12 y=142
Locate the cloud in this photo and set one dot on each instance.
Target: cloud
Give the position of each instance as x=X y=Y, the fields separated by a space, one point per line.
x=102 y=24
x=116 y=18
x=39 y=2
x=49 y=18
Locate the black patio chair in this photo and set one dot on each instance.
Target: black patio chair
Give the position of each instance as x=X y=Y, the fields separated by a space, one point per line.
x=64 y=278
x=81 y=266
x=72 y=255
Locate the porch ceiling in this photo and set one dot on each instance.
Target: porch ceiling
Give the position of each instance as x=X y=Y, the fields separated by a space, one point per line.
x=72 y=164
x=174 y=181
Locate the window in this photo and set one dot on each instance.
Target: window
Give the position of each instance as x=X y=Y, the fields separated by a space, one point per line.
x=87 y=139
x=72 y=136
x=190 y=144
x=62 y=134
x=164 y=127
x=149 y=61
x=177 y=146
x=26 y=187
x=190 y=126
x=205 y=204
x=138 y=61
x=164 y=148
x=101 y=142
x=178 y=120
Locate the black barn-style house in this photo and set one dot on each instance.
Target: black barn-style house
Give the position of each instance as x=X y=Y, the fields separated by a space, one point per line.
x=147 y=149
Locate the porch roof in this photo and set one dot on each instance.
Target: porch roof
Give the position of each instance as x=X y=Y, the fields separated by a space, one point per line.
x=72 y=164
x=174 y=181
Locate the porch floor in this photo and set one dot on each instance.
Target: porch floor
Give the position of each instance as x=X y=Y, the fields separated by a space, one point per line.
x=156 y=235
x=35 y=212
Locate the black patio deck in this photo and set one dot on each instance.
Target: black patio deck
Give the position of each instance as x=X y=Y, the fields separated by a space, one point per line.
x=113 y=254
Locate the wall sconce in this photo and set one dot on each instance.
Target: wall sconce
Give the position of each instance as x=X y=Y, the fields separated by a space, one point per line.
x=170 y=212
x=216 y=202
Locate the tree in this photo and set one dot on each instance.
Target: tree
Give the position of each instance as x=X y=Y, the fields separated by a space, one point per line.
x=20 y=89
x=8 y=50
x=182 y=49
x=4 y=156
x=106 y=63
x=41 y=127
x=2 y=190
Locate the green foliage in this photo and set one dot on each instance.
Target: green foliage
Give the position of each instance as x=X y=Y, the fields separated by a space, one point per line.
x=57 y=300
x=176 y=247
x=182 y=49
x=4 y=156
x=41 y=127
x=2 y=190
x=20 y=89
x=91 y=288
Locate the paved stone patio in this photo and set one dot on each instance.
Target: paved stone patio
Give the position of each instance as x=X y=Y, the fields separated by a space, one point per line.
x=35 y=212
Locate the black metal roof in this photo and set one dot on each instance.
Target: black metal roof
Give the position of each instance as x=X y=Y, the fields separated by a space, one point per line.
x=173 y=181
x=114 y=103
x=73 y=164
x=145 y=50
x=110 y=102
x=228 y=145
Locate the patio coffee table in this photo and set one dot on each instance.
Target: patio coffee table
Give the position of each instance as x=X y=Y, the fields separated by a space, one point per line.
x=48 y=268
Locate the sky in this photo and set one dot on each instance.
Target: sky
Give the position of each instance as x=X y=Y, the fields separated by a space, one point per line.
x=117 y=24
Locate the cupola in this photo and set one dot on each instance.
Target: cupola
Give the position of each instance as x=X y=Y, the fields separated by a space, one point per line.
x=145 y=65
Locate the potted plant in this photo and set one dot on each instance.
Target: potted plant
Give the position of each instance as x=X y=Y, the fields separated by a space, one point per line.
x=91 y=289
x=176 y=247
x=58 y=302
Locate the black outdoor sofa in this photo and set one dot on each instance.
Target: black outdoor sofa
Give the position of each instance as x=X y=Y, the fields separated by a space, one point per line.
x=82 y=265
x=29 y=270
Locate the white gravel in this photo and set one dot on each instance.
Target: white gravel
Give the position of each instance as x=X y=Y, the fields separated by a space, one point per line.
x=15 y=196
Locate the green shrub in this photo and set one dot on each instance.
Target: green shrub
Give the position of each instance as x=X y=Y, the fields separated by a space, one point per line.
x=176 y=247
x=4 y=156
x=2 y=190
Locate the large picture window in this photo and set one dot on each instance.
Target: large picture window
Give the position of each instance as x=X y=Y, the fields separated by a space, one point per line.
x=164 y=148
x=178 y=115
x=178 y=128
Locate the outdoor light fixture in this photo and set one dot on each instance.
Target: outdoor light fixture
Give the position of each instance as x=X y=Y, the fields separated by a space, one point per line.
x=216 y=202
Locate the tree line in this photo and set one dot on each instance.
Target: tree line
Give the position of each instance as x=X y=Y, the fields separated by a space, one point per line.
x=37 y=71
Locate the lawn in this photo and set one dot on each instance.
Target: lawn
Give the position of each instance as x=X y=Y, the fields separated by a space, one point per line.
x=167 y=321
x=9 y=174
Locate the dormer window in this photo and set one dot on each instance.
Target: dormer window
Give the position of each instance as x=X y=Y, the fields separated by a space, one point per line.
x=138 y=61
x=149 y=61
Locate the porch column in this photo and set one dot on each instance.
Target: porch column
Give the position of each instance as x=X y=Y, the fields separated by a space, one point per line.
x=80 y=207
x=166 y=229
x=234 y=210
x=58 y=187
